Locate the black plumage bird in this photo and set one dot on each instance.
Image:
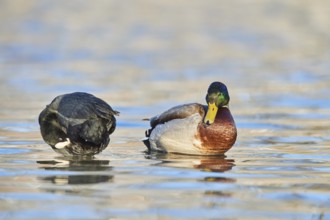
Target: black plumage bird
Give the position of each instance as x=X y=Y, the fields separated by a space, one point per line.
x=77 y=124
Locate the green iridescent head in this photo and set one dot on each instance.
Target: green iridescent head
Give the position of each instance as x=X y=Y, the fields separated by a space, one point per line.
x=217 y=97
x=218 y=94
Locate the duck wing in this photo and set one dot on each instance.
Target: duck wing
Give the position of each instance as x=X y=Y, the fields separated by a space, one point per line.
x=178 y=112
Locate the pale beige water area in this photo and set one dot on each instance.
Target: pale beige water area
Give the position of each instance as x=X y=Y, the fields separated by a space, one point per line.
x=143 y=57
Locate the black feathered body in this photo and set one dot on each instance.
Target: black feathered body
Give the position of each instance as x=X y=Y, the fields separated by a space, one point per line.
x=79 y=119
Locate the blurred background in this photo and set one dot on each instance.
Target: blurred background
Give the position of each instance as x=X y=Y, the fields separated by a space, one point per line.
x=144 y=56
x=133 y=50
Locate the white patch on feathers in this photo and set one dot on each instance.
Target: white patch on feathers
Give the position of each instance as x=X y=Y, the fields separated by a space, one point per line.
x=63 y=144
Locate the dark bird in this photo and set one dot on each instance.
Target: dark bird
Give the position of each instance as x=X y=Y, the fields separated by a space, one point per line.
x=77 y=124
x=195 y=128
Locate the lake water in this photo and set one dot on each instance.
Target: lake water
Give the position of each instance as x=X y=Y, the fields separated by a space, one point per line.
x=144 y=57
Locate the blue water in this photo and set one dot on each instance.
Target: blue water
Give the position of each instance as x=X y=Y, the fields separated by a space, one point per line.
x=142 y=58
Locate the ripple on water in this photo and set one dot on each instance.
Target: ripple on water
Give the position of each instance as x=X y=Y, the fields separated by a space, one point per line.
x=265 y=126
x=293 y=140
x=14 y=150
x=25 y=126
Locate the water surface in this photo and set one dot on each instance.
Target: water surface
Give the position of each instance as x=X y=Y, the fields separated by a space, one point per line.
x=143 y=57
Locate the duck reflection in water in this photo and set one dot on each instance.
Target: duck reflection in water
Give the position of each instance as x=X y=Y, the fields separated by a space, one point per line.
x=205 y=163
x=209 y=164
x=82 y=167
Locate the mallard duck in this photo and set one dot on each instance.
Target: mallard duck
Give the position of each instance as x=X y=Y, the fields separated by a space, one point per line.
x=77 y=124
x=195 y=128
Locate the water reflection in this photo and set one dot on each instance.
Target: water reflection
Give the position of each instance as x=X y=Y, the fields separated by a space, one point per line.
x=219 y=179
x=212 y=165
x=216 y=193
x=205 y=163
x=75 y=165
x=80 y=166
x=77 y=179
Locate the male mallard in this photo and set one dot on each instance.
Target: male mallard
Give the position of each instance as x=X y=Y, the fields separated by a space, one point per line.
x=77 y=124
x=195 y=128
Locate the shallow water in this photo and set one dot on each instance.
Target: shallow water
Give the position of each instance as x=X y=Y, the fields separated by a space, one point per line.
x=144 y=57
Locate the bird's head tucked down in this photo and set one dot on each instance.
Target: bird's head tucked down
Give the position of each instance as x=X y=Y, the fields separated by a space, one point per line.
x=217 y=96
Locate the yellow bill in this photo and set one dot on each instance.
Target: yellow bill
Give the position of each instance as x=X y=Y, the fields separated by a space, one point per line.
x=211 y=113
